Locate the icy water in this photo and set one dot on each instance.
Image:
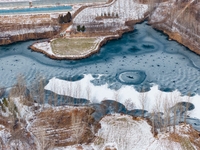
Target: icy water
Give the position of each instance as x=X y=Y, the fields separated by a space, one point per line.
x=140 y=58
x=36 y=3
x=36 y=10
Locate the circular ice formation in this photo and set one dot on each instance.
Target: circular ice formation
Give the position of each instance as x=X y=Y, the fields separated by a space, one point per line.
x=134 y=77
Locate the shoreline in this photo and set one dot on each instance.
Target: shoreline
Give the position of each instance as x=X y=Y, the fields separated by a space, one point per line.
x=106 y=39
x=178 y=38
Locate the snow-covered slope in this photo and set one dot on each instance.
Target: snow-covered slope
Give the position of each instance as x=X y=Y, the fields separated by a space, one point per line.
x=122 y=132
x=115 y=14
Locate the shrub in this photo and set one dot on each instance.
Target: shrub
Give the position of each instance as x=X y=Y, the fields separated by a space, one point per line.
x=78 y=28
x=83 y=29
x=66 y=18
x=5 y=102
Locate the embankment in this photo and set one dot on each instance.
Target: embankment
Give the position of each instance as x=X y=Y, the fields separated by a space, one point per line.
x=24 y=27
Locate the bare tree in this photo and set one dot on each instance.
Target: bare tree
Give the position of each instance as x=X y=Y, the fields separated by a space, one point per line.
x=143 y=101
x=2 y=91
x=188 y=100
x=175 y=98
x=156 y=112
x=20 y=88
x=88 y=91
x=129 y=104
x=44 y=143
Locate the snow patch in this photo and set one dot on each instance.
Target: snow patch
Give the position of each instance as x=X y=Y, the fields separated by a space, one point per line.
x=100 y=93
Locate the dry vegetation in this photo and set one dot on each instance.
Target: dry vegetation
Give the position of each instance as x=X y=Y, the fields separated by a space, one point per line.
x=186 y=136
x=63 y=127
x=73 y=46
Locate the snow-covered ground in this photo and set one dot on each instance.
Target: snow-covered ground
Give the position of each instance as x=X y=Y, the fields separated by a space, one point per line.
x=125 y=10
x=124 y=133
x=27 y=31
x=99 y=93
x=121 y=132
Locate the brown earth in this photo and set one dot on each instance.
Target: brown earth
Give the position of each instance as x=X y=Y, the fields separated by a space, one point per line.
x=66 y=126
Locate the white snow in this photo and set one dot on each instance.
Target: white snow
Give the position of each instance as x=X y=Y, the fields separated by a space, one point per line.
x=98 y=93
x=26 y=31
x=24 y=111
x=124 y=133
x=45 y=46
x=127 y=10
x=5 y=135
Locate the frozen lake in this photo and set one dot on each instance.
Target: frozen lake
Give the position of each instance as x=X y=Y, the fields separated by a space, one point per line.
x=140 y=59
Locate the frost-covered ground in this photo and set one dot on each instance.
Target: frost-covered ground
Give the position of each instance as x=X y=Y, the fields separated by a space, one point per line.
x=99 y=93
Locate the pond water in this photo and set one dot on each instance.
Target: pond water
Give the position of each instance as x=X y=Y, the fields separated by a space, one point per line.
x=141 y=59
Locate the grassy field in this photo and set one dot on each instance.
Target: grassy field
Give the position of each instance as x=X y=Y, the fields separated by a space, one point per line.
x=73 y=46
